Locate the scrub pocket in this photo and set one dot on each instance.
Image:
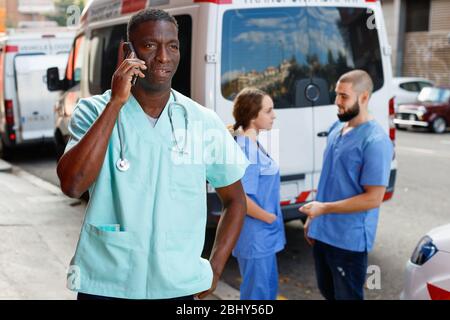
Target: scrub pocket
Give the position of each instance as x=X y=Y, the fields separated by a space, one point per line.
x=105 y=257
x=183 y=264
x=187 y=181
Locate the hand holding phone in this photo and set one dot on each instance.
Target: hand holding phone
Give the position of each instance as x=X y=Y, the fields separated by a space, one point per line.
x=125 y=76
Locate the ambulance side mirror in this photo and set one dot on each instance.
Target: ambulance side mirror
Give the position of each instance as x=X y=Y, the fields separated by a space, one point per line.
x=53 y=82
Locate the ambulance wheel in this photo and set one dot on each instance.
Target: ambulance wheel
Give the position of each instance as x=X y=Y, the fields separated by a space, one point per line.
x=303 y=218
x=5 y=152
x=85 y=196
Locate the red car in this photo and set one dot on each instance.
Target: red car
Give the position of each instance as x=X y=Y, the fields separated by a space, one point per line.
x=432 y=111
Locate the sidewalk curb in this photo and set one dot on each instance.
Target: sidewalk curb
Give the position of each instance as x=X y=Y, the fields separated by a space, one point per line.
x=5 y=166
x=226 y=292
x=36 y=181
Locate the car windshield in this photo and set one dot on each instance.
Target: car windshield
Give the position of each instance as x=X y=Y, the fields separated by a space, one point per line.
x=434 y=95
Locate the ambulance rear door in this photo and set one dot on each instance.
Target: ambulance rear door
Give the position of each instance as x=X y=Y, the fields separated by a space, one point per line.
x=35 y=103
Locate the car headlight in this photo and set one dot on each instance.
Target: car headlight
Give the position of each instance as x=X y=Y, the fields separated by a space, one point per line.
x=425 y=249
x=421 y=111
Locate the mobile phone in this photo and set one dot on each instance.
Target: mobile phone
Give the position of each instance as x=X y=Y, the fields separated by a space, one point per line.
x=131 y=48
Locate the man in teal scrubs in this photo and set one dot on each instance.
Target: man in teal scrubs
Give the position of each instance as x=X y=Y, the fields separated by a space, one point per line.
x=145 y=152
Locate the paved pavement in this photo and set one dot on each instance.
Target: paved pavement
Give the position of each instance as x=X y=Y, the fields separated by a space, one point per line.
x=39 y=229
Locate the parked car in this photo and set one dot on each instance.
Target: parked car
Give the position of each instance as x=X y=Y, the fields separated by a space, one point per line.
x=427 y=275
x=406 y=90
x=432 y=111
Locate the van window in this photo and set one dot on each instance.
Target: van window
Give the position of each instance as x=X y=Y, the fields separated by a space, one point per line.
x=104 y=56
x=423 y=84
x=73 y=70
x=273 y=48
x=2 y=57
x=182 y=79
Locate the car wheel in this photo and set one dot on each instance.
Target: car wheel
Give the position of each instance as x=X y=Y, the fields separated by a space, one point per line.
x=439 y=125
x=399 y=127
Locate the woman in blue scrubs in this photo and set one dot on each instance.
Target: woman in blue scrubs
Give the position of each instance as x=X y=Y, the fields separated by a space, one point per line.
x=262 y=234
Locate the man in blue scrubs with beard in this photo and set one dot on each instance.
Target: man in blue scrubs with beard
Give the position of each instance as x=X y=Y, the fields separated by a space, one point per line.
x=342 y=222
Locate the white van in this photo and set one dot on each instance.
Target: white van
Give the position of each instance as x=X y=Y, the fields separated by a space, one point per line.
x=294 y=50
x=26 y=106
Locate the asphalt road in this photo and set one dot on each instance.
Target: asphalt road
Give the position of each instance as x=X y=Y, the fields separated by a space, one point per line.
x=420 y=203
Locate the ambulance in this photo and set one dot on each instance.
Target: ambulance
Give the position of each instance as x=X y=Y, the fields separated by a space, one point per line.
x=26 y=105
x=294 y=50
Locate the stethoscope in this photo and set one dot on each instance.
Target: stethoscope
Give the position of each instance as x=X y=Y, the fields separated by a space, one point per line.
x=123 y=164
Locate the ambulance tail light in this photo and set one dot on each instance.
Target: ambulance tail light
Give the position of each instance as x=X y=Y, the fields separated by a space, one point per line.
x=11 y=49
x=388 y=196
x=9 y=117
x=391 y=119
x=9 y=112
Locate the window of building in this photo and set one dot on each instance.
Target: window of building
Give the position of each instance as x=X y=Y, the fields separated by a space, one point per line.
x=417 y=15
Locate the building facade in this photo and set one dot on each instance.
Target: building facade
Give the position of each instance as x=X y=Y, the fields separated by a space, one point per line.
x=25 y=13
x=419 y=33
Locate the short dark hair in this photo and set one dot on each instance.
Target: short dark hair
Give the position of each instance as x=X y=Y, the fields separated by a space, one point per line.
x=360 y=80
x=149 y=15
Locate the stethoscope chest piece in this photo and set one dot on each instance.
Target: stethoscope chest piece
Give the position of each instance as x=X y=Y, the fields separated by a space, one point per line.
x=123 y=165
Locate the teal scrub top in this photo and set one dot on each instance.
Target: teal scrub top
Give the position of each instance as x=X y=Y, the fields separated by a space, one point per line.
x=144 y=229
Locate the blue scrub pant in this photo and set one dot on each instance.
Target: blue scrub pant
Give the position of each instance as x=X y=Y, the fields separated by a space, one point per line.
x=259 y=278
x=340 y=273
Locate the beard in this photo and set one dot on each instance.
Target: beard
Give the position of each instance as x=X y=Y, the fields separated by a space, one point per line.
x=350 y=113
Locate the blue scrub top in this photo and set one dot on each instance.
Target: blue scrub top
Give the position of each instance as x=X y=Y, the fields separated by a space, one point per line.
x=144 y=229
x=261 y=183
x=361 y=157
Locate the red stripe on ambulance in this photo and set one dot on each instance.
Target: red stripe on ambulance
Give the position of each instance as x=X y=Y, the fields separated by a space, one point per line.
x=301 y=198
x=129 y=6
x=216 y=1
